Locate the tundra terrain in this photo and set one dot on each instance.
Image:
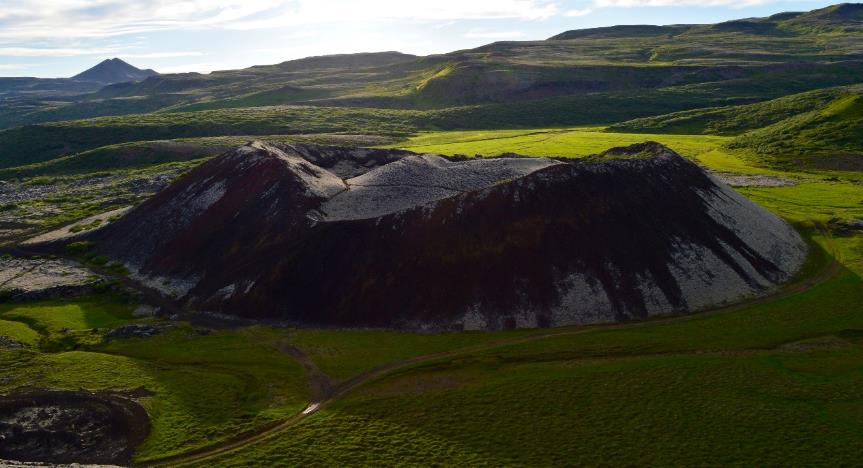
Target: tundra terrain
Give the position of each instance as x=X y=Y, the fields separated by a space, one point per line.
x=618 y=246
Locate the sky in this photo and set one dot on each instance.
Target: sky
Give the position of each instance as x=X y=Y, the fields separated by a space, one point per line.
x=60 y=38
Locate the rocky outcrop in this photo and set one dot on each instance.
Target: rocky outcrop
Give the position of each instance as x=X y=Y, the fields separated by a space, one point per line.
x=358 y=237
x=136 y=330
x=70 y=427
x=9 y=343
x=43 y=278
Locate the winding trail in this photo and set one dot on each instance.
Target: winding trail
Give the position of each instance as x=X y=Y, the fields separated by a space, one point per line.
x=322 y=386
x=329 y=394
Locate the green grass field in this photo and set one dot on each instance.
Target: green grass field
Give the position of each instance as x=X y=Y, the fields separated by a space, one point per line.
x=752 y=408
x=346 y=353
x=569 y=142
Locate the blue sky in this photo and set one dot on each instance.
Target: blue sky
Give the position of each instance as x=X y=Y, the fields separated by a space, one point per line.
x=55 y=38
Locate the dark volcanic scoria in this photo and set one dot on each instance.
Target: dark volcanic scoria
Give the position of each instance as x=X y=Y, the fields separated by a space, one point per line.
x=319 y=235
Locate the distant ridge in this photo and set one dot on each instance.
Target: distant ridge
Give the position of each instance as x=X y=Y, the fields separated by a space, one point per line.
x=642 y=30
x=845 y=17
x=114 y=71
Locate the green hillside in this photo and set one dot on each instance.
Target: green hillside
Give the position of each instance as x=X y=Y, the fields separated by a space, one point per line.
x=754 y=59
x=831 y=136
x=140 y=154
x=822 y=128
x=732 y=120
x=37 y=143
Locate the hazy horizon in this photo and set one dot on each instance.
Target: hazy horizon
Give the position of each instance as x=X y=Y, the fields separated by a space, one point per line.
x=66 y=37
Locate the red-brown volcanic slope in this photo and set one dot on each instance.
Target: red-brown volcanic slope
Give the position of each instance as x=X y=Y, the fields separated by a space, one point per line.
x=355 y=237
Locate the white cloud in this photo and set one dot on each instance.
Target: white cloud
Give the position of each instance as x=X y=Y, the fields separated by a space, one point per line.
x=84 y=51
x=164 y=55
x=482 y=34
x=599 y=4
x=69 y=19
x=673 y=3
x=304 y=12
x=15 y=66
x=202 y=67
x=577 y=13
x=53 y=52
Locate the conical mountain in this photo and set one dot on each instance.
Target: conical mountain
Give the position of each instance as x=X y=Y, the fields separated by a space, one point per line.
x=114 y=71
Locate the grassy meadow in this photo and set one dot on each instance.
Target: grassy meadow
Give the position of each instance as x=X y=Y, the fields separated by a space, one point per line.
x=566 y=142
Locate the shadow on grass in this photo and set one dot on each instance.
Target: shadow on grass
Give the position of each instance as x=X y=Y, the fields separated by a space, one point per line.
x=213 y=387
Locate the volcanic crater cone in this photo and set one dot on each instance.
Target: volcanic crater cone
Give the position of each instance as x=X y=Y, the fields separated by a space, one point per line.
x=320 y=235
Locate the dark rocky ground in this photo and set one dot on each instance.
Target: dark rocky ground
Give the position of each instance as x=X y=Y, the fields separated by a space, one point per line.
x=333 y=236
x=70 y=427
x=35 y=205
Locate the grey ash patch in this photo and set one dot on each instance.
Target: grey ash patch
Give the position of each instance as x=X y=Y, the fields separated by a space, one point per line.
x=26 y=278
x=733 y=179
x=47 y=202
x=344 y=162
x=22 y=464
x=74 y=230
x=420 y=180
x=9 y=343
x=845 y=227
x=137 y=331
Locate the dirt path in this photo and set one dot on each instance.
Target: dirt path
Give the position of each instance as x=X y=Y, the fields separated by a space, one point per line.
x=824 y=274
x=321 y=385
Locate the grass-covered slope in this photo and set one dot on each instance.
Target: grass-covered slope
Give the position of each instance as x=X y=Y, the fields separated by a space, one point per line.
x=828 y=136
x=821 y=128
x=198 y=387
x=571 y=142
x=143 y=154
x=32 y=144
x=37 y=143
x=732 y=120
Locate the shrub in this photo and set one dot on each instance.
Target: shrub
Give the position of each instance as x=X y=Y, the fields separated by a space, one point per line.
x=79 y=247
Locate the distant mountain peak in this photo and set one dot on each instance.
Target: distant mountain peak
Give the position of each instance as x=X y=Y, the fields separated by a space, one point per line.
x=114 y=70
x=844 y=10
x=848 y=16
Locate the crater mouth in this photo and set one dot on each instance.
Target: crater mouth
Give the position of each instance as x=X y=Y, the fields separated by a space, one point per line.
x=71 y=427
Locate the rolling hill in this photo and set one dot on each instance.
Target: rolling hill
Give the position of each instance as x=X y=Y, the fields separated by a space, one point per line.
x=753 y=59
x=829 y=137
x=722 y=79
x=821 y=128
x=734 y=120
